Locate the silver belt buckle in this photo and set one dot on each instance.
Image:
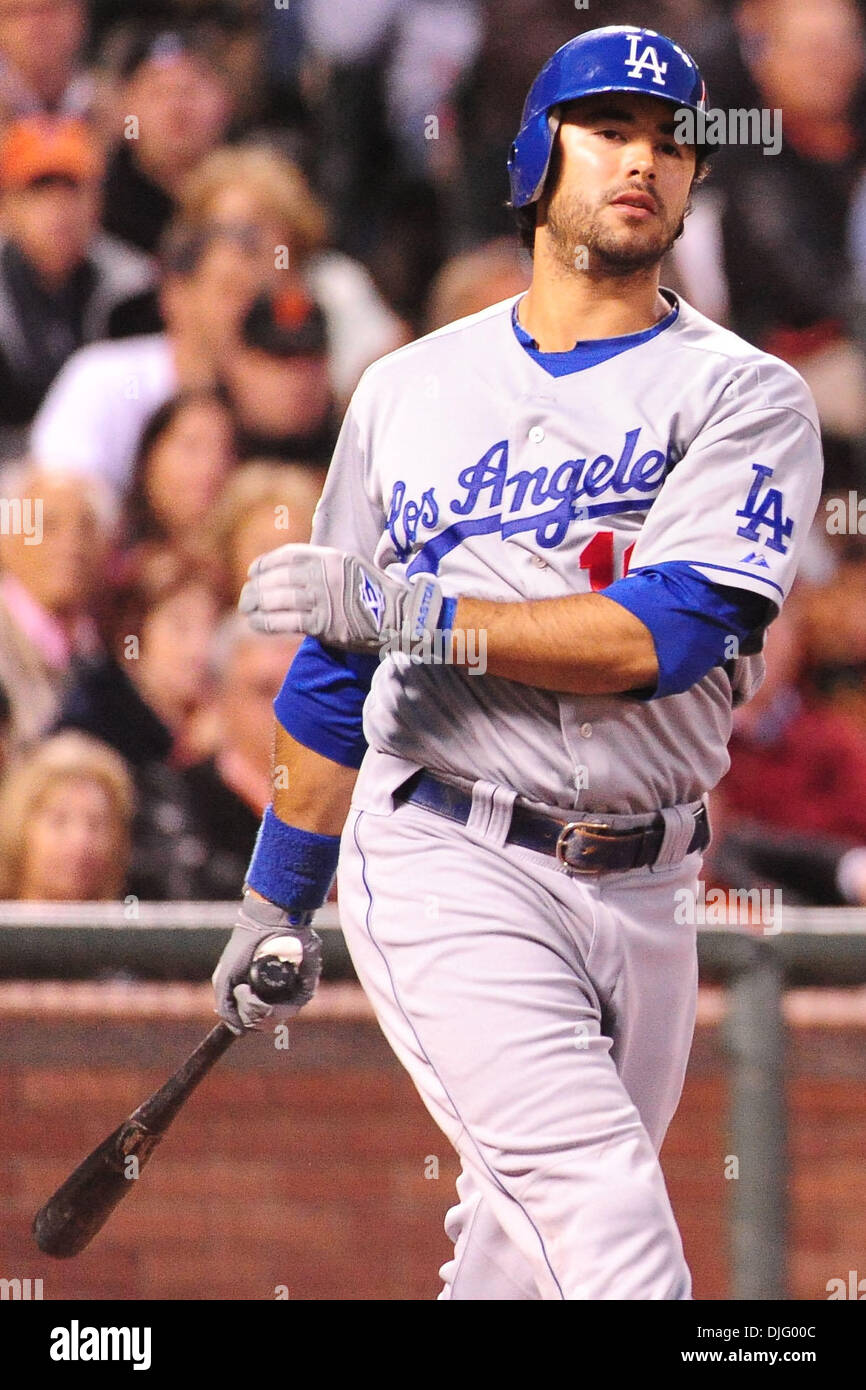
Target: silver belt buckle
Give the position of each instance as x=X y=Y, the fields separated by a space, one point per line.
x=565 y=836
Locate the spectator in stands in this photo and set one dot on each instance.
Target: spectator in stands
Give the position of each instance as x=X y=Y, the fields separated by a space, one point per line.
x=93 y=416
x=270 y=353
x=65 y=815
x=784 y=218
x=811 y=870
x=279 y=382
x=257 y=209
x=61 y=279
x=792 y=806
x=232 y=32
x=53 y=556
x=264 y=504
x=795 y=763
x=195 y=830
x=41 y=65
x=186 y=454
x=424 y=46
x=144 y=698
x=384 y=127
x=476 y=279
x=518 y=36
x=832 y=630
x=173 y=107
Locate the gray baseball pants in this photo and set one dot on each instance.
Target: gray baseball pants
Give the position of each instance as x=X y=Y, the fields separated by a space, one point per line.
x=546 y=1020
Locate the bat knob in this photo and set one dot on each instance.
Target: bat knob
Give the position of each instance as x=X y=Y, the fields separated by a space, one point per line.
x=274 y=971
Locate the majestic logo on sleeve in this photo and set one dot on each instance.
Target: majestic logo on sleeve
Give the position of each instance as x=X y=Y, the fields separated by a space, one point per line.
x=544 y=500
x=765 y=507
x=649 y=58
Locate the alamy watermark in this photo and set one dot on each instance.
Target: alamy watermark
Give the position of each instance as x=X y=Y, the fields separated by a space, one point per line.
x=738 y=126
x=22 y=516
x=466 y=647
x=846 y=516
x=722 y=906
x=77 y=1343
x=20 y=1290
x=854 y=1288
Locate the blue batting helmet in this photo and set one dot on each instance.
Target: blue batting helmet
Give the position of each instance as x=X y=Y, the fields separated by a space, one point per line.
x=620 y=58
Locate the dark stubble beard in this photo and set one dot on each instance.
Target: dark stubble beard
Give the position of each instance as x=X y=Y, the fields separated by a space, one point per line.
x=573 y=224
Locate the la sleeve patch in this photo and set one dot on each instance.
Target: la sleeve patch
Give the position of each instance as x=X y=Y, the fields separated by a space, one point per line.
x=765 y=507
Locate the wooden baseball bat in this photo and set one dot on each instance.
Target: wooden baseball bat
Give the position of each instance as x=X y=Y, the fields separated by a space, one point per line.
x=80 y=1207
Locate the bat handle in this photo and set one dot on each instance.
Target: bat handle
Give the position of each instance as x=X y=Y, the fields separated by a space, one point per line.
x=157 y=1112
x=274 y=974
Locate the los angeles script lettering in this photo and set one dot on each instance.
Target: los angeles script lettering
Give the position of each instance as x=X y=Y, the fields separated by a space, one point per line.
x=488 y=487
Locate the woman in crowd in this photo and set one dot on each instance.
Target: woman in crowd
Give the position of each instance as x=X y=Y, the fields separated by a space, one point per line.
x=146 y=698
x=185 y=456
x=258 y=206
x=65 y=817
x=264 y=504
x=52 y=582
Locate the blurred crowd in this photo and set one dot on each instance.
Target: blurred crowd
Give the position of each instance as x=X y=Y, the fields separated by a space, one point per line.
x=214 y=215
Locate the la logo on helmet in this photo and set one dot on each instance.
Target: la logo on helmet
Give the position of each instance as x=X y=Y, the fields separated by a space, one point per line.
x=648 y=59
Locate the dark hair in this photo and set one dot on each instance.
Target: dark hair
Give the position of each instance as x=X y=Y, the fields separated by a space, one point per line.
x=141 y=523
x=525 y=217
x=151 y=580
x=138 y=44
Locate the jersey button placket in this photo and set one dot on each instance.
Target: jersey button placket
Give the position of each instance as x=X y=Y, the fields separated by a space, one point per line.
x=536 y=435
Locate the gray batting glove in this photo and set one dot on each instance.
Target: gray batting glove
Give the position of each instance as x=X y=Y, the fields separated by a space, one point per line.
x=235 y=1001
x=338 y=598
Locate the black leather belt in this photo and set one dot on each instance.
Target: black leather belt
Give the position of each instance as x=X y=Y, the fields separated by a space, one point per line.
x=587 y=846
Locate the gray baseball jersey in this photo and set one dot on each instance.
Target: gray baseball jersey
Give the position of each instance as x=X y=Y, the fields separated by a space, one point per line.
x=460 y=455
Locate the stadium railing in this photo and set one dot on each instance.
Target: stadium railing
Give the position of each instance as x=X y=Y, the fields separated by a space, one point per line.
x=804 y=947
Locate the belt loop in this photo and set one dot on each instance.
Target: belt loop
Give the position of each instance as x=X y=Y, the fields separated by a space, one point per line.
x=705 y=802
x=491 y=811
x=501 y=812
x=679 y=829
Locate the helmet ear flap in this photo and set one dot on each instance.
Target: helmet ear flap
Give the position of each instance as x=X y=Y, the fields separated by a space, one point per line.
x=554 y=120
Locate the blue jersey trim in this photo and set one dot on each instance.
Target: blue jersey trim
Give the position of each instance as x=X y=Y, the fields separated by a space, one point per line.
x=321 y=702
x=431 y=554
x=591 y=352
x=748 y=574
x=691 y=621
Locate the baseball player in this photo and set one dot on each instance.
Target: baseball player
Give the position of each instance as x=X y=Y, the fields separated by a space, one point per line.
x=605 y=494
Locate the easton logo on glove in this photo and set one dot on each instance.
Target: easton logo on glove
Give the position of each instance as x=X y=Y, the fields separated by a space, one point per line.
x=373 y=600
x=422 y=611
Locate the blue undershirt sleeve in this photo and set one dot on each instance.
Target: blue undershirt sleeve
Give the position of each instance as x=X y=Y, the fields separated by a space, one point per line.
x=692 y=621
x=321 y=702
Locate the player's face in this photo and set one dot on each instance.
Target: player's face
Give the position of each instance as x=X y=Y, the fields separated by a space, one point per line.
x=620 y=182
